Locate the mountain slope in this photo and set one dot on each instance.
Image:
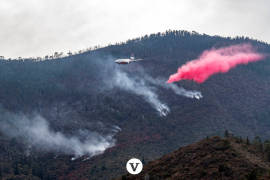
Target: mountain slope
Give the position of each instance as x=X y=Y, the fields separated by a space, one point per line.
x=75 y=93
x=213 y=158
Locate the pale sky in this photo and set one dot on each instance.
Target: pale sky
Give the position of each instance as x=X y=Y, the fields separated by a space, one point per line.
x=30 y=28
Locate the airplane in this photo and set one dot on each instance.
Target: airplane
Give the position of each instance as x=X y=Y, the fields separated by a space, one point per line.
x=127 y=61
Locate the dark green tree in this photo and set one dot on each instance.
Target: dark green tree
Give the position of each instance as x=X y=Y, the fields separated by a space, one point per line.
x=258 y=143
x=247 y=141
x=226 y=133
x=16 y=169
x=1 y=174
x=267 y=149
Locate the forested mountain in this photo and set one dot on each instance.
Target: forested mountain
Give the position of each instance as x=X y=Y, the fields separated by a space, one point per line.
x=89 y=92
x=211 y=158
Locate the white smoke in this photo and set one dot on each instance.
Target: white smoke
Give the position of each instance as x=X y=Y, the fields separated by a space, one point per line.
x=183 y=92
x=139 y=87
x=144 y=85
x=177 y=90
x=37 y=133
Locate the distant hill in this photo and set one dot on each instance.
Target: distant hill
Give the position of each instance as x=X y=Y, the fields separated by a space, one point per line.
x=75 y=92
x=213 y=158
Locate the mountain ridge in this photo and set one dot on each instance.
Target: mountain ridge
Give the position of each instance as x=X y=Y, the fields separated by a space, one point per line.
x=211 y=158
x=71 y=94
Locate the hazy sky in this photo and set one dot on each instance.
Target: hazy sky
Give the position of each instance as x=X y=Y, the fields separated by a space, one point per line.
x=40 y=27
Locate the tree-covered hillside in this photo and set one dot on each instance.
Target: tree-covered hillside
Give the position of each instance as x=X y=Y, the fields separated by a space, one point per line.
x=82 y=92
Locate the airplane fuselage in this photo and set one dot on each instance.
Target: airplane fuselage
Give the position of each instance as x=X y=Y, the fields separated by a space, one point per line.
x=127 y=60
x=124 y=61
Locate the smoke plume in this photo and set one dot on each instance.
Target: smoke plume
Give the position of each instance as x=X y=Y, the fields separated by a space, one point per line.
x=216 y=61
x=139 y=87
x=36 y=133
x=144 y=85
x=177 y=90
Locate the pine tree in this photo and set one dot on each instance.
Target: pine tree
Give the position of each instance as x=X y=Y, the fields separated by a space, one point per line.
x=143 y=161
x=240 y=139
x=248 y=143
x=258 y=143
x=226 y=133
x=1 y=172
x=16 y=169
x=267 y=149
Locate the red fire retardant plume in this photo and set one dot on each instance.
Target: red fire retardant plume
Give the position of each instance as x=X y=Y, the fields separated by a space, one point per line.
x=216 y=61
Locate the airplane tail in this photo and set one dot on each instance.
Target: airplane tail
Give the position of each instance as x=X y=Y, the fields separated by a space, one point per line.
x=132 y=56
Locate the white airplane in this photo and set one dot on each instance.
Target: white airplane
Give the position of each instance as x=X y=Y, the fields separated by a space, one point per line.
x=127 y=61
